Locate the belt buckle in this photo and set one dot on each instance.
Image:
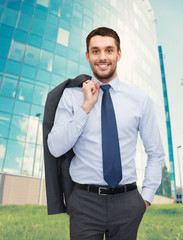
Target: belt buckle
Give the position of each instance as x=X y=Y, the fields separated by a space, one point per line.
x=100 y=189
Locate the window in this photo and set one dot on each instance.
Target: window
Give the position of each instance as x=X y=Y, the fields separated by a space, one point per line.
x=2 y=152
x=20 y=35
x=51 y=32
x=37 y=26
x=13 y=67
x=63 y=37
x=59 y=65
x=18 y=128
x=56 y=79
x=38 y=161
x=6 y=104
x=33 y=130
x=9 y=17
x=6 y=30
x=32 y=55
x=17 y=51
x=55 y=7
x=4 y=124
x=28 y=71
x=27 y=8
x=35 y=40
x=21 y=108
x=2 y=65
x=24 y=22
x=72 y=68
x=41 y=12
x=9 y=85
x=46 y=60
x=13 y=164
x=43 y=2
x=4 y=46
x=40 y=94
x=43 y=76
x=27 y=163
x=74 y=41
x=25 y=90
x=48 y=45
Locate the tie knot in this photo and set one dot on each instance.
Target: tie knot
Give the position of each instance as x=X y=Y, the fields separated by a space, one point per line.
x=105 y=87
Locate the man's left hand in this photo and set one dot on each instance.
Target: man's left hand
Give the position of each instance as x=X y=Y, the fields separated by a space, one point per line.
x=147 y=204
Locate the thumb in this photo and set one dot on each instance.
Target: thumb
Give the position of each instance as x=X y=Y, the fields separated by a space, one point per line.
x=97 y=85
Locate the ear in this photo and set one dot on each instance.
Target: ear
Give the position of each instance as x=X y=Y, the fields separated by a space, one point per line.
x=119 y=55
x=87 y=56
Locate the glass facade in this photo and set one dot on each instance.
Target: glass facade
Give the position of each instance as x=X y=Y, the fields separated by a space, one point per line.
x=42 y=44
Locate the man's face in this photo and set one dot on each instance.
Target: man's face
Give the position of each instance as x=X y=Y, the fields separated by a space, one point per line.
x=103 y=57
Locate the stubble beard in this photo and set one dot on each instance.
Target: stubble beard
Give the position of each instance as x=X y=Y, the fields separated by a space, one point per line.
x=104 y=77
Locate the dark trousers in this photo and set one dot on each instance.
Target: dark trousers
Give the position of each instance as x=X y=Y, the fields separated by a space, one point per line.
x=117 y=216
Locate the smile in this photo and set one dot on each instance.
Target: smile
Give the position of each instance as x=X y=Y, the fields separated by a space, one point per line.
x=103 y=66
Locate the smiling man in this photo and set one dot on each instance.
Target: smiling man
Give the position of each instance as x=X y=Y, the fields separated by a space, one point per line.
x=101 y=123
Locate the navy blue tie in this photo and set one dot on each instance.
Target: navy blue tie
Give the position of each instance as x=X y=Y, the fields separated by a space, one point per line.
x=110 y=142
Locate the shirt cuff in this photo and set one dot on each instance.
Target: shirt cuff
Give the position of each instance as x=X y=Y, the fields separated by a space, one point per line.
x=147 y=194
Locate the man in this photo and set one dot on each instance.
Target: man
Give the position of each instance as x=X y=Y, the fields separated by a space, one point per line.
x=101 y=122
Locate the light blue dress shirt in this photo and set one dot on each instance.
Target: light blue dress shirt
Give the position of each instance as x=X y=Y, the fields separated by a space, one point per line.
x=134 y=111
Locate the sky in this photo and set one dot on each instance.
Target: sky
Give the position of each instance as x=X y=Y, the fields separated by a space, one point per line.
x=169 y=28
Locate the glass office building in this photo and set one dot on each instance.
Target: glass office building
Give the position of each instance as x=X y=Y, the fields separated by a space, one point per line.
x=42 y=43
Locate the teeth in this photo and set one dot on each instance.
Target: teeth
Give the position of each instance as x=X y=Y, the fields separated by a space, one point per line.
x=102 y=66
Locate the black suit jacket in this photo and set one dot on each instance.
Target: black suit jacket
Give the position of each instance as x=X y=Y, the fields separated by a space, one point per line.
x=59 y=184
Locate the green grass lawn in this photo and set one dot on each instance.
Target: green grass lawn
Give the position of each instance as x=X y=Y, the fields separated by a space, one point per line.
x=31 y=222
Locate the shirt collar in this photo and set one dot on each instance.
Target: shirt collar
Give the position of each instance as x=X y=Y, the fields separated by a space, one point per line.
x=113 y=83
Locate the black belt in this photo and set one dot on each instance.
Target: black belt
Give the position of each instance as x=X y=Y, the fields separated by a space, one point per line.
x=105 y=190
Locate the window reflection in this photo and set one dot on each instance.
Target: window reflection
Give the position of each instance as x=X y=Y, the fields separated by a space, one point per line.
x=25 y=90
x=24 y=21
x=9 y=85
x=4 y=46
x=13 y=67
x=63 y=37
x=43 y=76
x=2 y=152
x=21 y=108
x=35 y=40
x=18 y=129
x=46 y=60
x=72 y=68
x=4 y=124
x=40 y=93
x=38 y=161
x=43 y=2
x=37 y=26
x=59 y=65
x=28 y=71
x=32 y=55
x=17 y=51
x=13 y=157
x=9 y=17
x=20 y=35
x=6 y=104
x=51 y=31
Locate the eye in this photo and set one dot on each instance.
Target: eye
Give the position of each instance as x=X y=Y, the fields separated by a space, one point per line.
x=109 y=50
x=95 y=51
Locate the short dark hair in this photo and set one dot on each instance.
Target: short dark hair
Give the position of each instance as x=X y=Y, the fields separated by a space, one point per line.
x=103 y=31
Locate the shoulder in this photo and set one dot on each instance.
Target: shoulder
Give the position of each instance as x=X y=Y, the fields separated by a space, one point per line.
x=133 y=91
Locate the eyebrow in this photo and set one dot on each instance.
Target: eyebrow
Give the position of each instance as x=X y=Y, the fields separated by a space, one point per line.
x=99 y=47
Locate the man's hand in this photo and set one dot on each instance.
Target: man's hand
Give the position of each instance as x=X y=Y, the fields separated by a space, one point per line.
x=147 y=204
x=90 y=92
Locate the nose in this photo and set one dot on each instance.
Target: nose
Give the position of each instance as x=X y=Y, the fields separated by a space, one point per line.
x=102 y=56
